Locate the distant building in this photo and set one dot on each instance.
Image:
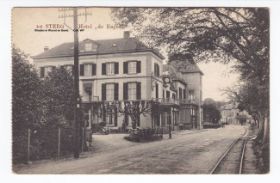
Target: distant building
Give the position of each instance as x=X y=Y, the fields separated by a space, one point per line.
x=232 y=115
x=229 y=113
x=189 y=72
x=126 y=70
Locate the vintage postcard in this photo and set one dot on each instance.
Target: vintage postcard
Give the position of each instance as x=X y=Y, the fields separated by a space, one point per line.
x=140 y=90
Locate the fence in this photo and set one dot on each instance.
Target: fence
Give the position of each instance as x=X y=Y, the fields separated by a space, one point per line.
x=44 y=143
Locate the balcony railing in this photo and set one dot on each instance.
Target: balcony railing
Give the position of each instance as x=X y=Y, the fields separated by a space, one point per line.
x=166 y=101
x=89 y=99
x=171 y=101
x=188 y=101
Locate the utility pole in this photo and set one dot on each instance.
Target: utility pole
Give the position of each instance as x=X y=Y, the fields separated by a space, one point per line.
x=76 y=87
x=77 y=109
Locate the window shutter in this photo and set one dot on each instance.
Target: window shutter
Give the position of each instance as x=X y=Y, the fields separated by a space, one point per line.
x=116 y=91
x=42 y=72
x=103 y=69
x=116 y=68
x=156 y=90
x=125 y=91
x=158 y=70
x=167 y=94
x=184 y=92
x=103 y=92
x=116 y=117
x=125 y=68
x=138 y=91
x=138 y=67
x=155 y=69
x=93 y=71
x=81 y=70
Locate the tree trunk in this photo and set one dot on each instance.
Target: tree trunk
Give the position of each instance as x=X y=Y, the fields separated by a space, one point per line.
x=261 y=127
x=265 y=138
x=133 y=124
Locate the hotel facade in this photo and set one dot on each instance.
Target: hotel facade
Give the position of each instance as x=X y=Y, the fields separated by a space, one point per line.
x=126 y=70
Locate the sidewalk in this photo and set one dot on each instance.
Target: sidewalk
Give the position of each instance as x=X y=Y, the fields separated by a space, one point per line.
x=250 y=161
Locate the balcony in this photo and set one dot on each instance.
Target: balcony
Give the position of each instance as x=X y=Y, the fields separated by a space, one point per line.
x=166 y=101
x=89 y=99
x=188 y=101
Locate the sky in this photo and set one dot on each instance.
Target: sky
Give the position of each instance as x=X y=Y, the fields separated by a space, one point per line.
x=24 y=20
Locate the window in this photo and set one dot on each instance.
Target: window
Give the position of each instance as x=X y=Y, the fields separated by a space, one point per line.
x=110 y=91
x=88 y=47
x=110 y=117
x=191 y=94
x=110 y=68
x=167 y=94
x=193 y=112
x=132 y=91
x=131 y=67
x=87 y=69
x=45 y=70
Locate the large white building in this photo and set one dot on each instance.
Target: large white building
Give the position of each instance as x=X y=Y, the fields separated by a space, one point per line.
x=126 y=70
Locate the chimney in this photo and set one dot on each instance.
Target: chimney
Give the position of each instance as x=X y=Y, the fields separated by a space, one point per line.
x=46 y=48
x=126 y=34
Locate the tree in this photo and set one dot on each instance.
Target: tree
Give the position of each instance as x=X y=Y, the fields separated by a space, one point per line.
x=210 y=111
x=255 y=100
x=226 y=34
x=26 y=102
x=59 y=98
x=133 y=109
x=26 y=91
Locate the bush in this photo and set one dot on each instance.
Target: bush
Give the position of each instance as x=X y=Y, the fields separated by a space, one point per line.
x=144 y=135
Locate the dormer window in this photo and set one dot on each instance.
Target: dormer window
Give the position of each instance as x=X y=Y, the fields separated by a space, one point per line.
x=88 y=47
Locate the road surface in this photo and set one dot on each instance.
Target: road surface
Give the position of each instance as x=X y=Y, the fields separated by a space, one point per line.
x=185 y=153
